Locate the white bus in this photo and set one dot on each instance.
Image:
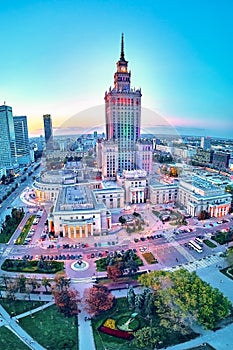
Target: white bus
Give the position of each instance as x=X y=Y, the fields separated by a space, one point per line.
x=195 y=246
x=199 y=241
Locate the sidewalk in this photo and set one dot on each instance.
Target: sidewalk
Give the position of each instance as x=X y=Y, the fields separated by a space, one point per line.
x=13 y=325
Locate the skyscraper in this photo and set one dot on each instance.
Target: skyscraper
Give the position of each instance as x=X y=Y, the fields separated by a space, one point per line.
x=123 y=118
x=48 y=131
x=21 y=140
x=205 y=143
x=7 y=139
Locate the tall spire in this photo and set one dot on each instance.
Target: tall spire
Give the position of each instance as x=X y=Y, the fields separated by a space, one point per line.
x=122 y=58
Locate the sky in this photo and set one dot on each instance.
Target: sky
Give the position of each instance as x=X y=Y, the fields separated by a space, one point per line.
x=58 y=57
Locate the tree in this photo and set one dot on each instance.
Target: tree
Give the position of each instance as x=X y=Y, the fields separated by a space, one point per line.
x=97 y=299
x=21 y=283
x=146 y=338
x=122 y=220
x=173 y=172
x=32 y=284
x=62 y=282
x=114 y=271
x=131 y=297
x=11 y=290
x=45 y=283
x=132 y=266
x=67 y=301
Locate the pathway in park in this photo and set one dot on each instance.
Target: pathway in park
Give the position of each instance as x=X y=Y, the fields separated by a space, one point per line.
x=222 y=339
x=12 y=323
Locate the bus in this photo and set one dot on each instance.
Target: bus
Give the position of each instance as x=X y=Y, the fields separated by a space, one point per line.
x=195 y=246
x=199 y=241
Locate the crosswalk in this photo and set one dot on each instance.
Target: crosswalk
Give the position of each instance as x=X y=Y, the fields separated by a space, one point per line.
x=200 y=264
x=7 y=251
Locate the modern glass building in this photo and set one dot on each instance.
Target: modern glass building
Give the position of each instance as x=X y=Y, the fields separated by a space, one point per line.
x=21 y=140
x=48 y=131
x=8 y=158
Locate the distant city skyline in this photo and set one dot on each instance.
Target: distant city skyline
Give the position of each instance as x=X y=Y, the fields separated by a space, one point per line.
x=59 y=58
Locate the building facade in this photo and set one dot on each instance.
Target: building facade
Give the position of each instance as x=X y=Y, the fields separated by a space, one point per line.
x=48 y=131
x=123 y=116
x=197 y=194
x=205 y=143
x=221 y=160
x=21 y=140
x=8 y=159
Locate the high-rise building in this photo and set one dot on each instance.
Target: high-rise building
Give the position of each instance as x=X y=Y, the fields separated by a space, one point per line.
x=21 y=140
x=205 y=143
x=123 y=118
x=48 y=131
x=7 y=139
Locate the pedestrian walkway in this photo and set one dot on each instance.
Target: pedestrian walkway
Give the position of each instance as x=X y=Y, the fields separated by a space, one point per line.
x=12 y=325
x=31 y=312
x=200 y=264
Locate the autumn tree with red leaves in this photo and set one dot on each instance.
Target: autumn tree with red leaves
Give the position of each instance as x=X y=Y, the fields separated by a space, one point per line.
x=67 y=301
x=97 y=299
x=114 y=271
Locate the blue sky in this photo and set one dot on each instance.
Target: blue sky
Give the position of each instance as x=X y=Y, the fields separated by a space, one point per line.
x=58 y=57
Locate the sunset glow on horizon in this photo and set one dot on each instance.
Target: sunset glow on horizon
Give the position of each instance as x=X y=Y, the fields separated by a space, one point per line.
x=59 y=58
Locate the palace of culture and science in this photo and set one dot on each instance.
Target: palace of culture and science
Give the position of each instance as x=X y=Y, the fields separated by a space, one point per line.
x=123 y=149
x=82 y=206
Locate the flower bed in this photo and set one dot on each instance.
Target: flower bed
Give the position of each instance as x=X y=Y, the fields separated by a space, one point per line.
x=116 y=333
x=149 y=257
x=110 y=323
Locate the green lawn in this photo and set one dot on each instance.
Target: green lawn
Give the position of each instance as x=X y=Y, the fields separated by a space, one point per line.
x=25 y=230
x=121 y=309
x=104 y=341
x=51 y=329
x=18 y=307
x=9 y=341
x=209 y=243
x=15 y=265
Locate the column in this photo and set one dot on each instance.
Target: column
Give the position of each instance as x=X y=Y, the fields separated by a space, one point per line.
x=80 y=231
x=69 y=233
x=86 y=231
x=64 y=231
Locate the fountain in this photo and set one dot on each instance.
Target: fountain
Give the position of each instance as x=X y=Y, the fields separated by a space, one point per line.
x=80 y=265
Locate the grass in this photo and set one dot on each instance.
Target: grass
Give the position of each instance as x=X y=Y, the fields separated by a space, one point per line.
x=228 y=271
x=9 y=341
x=222 y=237
x=149 y=257
x=121 y=310
x=209 y=243
x=51 y=329
x=104 y=341
x=18 y=307
x=156 y=213
x=25 y=230
x=32 y=266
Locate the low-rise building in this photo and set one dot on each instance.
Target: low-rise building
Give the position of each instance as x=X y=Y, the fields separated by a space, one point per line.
x=197 y=194
x=160 y=193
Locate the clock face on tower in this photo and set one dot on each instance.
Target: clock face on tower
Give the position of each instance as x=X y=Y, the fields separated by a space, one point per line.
x=123 y=69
